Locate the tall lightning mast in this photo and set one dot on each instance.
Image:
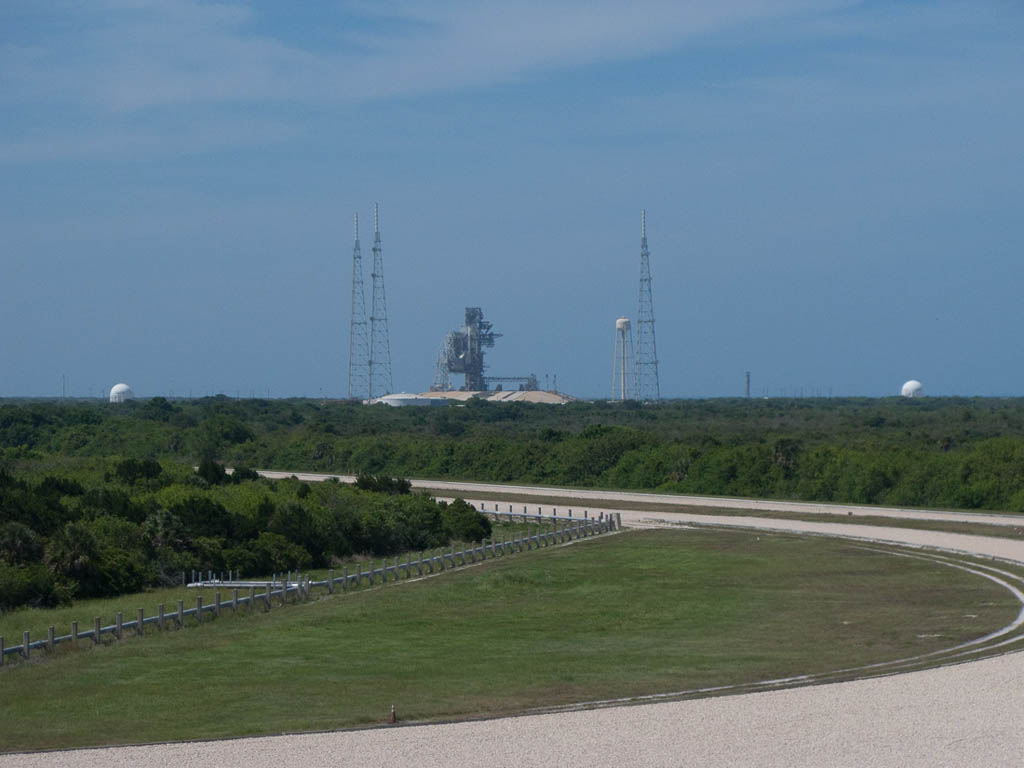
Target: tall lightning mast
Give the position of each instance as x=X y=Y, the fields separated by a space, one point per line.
x=380 y=346
x=646 y=365
x=358 y=346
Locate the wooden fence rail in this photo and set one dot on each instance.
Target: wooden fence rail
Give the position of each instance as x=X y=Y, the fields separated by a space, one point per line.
x=563 y=530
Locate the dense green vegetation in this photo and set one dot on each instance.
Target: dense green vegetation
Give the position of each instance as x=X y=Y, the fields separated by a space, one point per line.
x=632 y=614
x=104 y=527
x=99 y=499
x=946 y=452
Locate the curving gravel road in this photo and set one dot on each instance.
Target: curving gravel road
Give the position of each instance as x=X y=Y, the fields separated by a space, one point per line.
x=970 y=714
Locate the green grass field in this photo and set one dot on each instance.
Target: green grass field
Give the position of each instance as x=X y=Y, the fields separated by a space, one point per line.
x=630 y=614
x=37 y=620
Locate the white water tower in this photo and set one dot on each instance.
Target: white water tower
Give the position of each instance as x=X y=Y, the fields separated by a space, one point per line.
x=622 y=363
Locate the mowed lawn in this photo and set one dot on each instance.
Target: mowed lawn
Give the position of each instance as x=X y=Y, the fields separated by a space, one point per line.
x=640 y=612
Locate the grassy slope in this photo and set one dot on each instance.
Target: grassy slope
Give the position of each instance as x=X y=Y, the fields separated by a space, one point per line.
x=37 y=620
x=630 y=614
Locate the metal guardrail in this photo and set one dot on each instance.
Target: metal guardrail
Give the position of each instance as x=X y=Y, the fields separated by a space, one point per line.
x=300 y=588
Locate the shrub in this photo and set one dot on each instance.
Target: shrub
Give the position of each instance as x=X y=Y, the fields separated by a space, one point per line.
x=112 y=502
x=395 y=486
x=130 y=470
x=243 y=473
x=202 y=516
x=33 y=585
x=212 y=472
x=463 y=523
x=270 y=553
x=19 y=544
x=60 y=486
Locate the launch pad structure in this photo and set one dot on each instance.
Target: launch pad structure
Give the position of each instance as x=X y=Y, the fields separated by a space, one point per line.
x=634 y=369
x=462 y=352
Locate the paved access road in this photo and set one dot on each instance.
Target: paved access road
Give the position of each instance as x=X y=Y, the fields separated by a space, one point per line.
x=968 y=715
x=467 y=490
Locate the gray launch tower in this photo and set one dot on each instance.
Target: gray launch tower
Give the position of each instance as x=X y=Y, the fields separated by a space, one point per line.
x=465 y=348
x=462 y=351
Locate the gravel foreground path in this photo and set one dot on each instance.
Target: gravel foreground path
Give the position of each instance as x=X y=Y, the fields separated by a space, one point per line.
x=971 y=714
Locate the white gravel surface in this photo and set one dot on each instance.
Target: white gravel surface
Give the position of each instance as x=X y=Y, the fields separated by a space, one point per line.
x=970 y=714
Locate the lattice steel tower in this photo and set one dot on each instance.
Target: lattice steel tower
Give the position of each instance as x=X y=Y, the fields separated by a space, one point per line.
x=380 y=346
x=358 y=345
x=646 y=362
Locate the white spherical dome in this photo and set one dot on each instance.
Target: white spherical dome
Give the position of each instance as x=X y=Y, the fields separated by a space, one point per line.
x=912 y=388
x=121 y=392
x=622 y=324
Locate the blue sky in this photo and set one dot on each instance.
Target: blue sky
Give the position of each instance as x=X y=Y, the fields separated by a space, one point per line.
x=833 y=190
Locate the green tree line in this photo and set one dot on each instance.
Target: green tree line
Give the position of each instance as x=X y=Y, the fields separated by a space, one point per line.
x=108 y=528
x=943 y=452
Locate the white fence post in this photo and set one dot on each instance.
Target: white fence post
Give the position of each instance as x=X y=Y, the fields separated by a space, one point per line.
x=140 y=626
x=96 y=630
x=25 y=642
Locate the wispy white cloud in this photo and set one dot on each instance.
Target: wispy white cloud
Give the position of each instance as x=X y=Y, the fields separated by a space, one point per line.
x=113 y=71
x=477 y=43
x=136 y=55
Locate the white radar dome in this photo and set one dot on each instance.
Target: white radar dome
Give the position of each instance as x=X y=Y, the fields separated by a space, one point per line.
x=121 y=392
x=912 y=388
x=622 y=324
